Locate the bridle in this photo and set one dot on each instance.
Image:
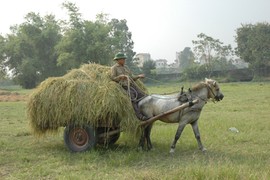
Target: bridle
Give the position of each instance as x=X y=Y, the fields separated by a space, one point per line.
x=212 y=92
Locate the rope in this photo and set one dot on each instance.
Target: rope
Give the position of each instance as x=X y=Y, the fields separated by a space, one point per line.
x=154 y=80
x=128 y=80
x=135 y=84
x=129 y=87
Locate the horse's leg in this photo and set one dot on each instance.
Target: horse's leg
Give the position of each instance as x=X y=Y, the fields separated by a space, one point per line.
x=147 y=134
x=177 y=135
x=197 y=135
x=142 y=140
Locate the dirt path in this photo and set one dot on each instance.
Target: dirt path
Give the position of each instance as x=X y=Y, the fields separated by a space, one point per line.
x=6 y=96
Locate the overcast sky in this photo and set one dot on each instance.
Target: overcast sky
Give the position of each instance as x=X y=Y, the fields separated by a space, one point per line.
x=159 y=27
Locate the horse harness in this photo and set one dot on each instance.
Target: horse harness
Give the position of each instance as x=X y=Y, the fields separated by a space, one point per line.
x=188 y=96
x=185 y=97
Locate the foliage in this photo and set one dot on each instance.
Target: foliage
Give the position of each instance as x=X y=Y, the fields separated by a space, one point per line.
x=96 y=42
x=121 y=40
x=253 y=45
x=32 y=44
x=148 y=67
x=186 y=58
x=2 y=59
x=51 y=47
x=221 y=64
x=196 y=71
x=83 y=41
x=208 y=50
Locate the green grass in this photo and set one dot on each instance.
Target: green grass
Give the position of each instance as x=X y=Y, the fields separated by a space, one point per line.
x=243 y=155
x=16 y=88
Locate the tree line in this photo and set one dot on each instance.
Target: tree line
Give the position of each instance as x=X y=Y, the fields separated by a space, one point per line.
x=253 y=47
x=42 y=47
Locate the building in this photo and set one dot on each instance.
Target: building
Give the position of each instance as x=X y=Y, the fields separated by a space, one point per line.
x=240 y=64
x=161 y=63
x=141 y=58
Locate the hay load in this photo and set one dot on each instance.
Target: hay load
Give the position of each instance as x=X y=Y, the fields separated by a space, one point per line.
x=82 y=96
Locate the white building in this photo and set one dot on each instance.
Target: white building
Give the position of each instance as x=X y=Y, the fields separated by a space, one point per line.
x=161 y=63
x=141 y=58
x=239 y=63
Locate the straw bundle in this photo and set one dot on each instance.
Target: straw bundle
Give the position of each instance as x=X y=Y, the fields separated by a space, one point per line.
x=82 y=96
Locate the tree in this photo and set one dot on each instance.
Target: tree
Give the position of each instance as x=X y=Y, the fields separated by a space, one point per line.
x=186 y=58
x=209 y=50
x=84 y=41
x=122 y=40
x=29 y=49
x=99 y=47
x=147 y=68
x=42 y=46
x=2 y=58
x=253 y=46
x=98 y=41
x=71 y=49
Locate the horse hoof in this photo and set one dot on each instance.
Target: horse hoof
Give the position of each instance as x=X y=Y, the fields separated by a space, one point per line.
x=172 y=151
x=139 y=149
x=203 y=150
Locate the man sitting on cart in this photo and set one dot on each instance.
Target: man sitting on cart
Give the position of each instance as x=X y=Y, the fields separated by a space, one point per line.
x=121 y=74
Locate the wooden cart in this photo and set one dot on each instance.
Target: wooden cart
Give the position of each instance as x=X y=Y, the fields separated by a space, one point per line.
x=83 y=138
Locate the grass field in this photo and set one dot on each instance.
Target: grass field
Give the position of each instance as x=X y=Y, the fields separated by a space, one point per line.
x=230 y=155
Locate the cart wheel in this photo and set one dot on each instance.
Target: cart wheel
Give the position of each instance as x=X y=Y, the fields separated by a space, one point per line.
x=109 y=140
x=79 y=138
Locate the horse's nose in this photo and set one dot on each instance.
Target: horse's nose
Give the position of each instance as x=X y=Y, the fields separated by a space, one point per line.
x=221 y=96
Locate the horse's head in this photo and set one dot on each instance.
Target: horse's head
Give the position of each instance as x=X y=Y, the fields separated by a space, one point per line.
x=214 y=90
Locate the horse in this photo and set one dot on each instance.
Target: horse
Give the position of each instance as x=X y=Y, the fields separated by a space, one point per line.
x=155 y=104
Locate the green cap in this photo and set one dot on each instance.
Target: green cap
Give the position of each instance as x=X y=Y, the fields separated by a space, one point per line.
x=119 y=56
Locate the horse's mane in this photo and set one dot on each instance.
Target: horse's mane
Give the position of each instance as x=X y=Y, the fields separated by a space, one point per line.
x=201 y=85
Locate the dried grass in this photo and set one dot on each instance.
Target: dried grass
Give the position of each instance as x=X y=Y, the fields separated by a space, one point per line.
x=82 y=96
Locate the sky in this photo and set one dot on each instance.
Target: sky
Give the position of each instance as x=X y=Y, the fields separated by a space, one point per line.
x=158 y=27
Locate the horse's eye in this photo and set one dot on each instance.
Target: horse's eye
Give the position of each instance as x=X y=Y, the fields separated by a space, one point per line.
x=217 y=89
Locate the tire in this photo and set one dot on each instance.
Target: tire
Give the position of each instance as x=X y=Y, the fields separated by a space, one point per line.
x=79 y=138
x=109 y=140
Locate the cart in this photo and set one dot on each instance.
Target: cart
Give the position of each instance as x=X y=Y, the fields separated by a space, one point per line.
x=85 y=137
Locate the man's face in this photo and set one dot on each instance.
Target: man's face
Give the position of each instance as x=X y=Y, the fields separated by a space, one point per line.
x=121 y=61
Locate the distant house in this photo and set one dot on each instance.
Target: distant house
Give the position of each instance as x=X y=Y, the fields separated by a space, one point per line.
x=161 y=63
x=162 y=66
x=141 y=58
x=240 y=64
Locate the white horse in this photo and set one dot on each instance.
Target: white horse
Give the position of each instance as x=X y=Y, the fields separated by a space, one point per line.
x=153 y=105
